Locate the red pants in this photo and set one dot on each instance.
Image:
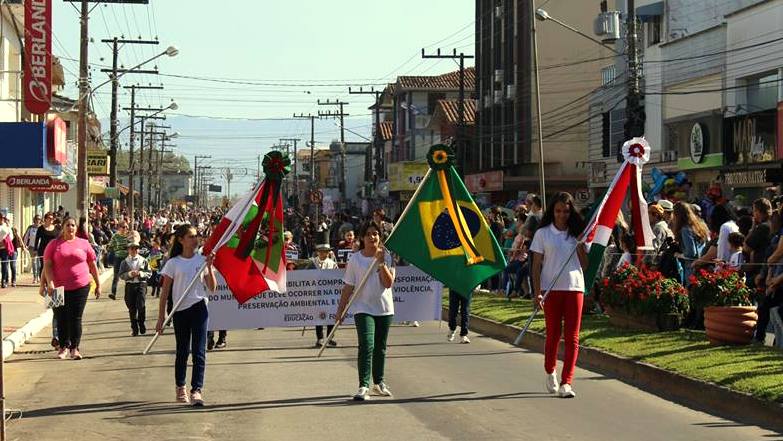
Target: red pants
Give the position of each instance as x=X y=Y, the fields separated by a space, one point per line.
x=560 y=306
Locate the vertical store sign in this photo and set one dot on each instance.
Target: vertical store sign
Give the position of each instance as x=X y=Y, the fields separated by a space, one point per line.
x=38 y=55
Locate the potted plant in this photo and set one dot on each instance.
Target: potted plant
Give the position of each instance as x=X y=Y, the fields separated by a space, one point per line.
x=729 y=315
x=641 y=298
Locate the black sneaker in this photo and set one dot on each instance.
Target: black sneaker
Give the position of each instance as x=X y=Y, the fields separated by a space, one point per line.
x=134 y=333
x=220 y=344
x=332 y=343
x=143 y=330
x=113 y=296
x=210 y=344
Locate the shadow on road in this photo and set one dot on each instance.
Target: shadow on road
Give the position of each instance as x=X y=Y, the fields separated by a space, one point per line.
x=327 y=401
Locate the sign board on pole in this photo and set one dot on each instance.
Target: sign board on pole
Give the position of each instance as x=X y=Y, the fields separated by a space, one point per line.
x=97 y=163
x=215 y=188
x=406 y=176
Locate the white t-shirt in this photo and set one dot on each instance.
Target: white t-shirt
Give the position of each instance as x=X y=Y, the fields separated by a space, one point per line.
x=724 y=251
x=374 y=298
x=736 y=260
x=183 y=270
x=556 y=246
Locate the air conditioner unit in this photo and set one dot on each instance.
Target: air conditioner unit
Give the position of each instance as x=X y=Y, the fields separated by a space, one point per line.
x=511 y=92
x=607 y=26
x=499 y=75
x=669 y=156
x=498 y=96
x=498 y=12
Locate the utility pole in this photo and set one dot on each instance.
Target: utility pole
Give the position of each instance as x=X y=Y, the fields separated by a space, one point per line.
x=460 y=141
x=150 y=151
x=115 y=42
x=296 y=173
x=341 y=115
x=634 y=112
x=82 y=191
x=159 y=170
x=196 y=175
x=131 y=163
x=377 y=142
x=313 y=186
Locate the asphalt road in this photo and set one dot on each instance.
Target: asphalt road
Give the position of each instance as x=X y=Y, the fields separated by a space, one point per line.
x=268 y=385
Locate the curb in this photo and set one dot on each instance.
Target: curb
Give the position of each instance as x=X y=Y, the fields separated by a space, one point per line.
x=24 y=334
x=696 y=394
x=18 y=338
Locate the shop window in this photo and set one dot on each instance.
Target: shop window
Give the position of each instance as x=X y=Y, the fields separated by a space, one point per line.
x=761 y=92
x=606 y=149
x=616 y=131
x=653 y=30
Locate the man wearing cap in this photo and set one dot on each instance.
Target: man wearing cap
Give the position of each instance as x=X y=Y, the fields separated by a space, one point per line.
x=660 y=227
x=668 y=210
x=322 y=261
x=135 y=271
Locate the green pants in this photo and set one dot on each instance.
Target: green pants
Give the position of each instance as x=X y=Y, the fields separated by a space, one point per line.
x=372 y=332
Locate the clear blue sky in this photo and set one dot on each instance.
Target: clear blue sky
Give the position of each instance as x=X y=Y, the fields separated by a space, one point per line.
x=293 y=53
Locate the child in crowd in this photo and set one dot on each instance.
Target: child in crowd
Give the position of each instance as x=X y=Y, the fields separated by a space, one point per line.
x=628 y=245
x=736 y=240
x=135 y=271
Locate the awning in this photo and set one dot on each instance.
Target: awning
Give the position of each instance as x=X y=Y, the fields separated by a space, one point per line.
x=649 y=12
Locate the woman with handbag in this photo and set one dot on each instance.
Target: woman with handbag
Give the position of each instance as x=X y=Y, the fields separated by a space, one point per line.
x=69 y=262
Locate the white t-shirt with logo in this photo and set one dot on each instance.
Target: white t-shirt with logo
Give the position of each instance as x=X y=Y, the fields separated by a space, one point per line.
x=182 y=270
x=556 y=246
x=374 y=298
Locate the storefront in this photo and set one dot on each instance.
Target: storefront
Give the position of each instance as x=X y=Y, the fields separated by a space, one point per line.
x=698 y=141
x=30 y=150
x=752 y=149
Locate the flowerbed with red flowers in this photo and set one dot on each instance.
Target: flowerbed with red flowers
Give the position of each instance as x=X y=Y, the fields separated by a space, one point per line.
x=640 y=291
x=722 y=287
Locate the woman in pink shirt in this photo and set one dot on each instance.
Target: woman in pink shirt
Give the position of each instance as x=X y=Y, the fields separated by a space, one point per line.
x=69 y=262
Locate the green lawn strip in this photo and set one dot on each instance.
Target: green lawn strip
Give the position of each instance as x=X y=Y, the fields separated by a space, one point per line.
x=755 y=370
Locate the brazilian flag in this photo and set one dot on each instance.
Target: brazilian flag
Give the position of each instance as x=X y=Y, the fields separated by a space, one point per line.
x=443 y=232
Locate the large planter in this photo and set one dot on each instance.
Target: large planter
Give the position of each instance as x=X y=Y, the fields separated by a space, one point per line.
x=732 y=325
x=663 y=322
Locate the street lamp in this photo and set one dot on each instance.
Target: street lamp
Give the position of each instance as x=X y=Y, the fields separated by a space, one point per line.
x=542 y=15
x=171 y=51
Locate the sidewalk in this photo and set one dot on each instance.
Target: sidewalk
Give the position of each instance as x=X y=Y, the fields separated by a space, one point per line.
x=25 y=313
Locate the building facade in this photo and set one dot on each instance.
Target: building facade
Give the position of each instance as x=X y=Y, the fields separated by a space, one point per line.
x=506 y=140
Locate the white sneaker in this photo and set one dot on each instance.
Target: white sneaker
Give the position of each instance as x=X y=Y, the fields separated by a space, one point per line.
x=465 y=340
x=381 y=389
x=566 y=391
x=362 y=395
x=415 y=324
x=450 y=336
x=551 y=382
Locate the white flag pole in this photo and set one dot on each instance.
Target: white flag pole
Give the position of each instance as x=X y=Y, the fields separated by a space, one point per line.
x=174 y=309
x=223 y=239
x=356 y=291
x=518 y=340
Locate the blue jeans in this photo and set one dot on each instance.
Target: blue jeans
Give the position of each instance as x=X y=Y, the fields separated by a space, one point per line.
x=190 y=331
x=520 y=271
x=459 y=304
x=37 y=264
x=4 y=265
x=116 y=276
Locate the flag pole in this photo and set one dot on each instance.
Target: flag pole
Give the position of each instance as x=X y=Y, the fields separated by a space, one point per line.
x=174 y=308
x=223 y=239
x=359 y=287
x=518 y=340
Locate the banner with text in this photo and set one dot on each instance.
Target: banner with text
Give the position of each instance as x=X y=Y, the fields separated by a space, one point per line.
x=312 y=298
